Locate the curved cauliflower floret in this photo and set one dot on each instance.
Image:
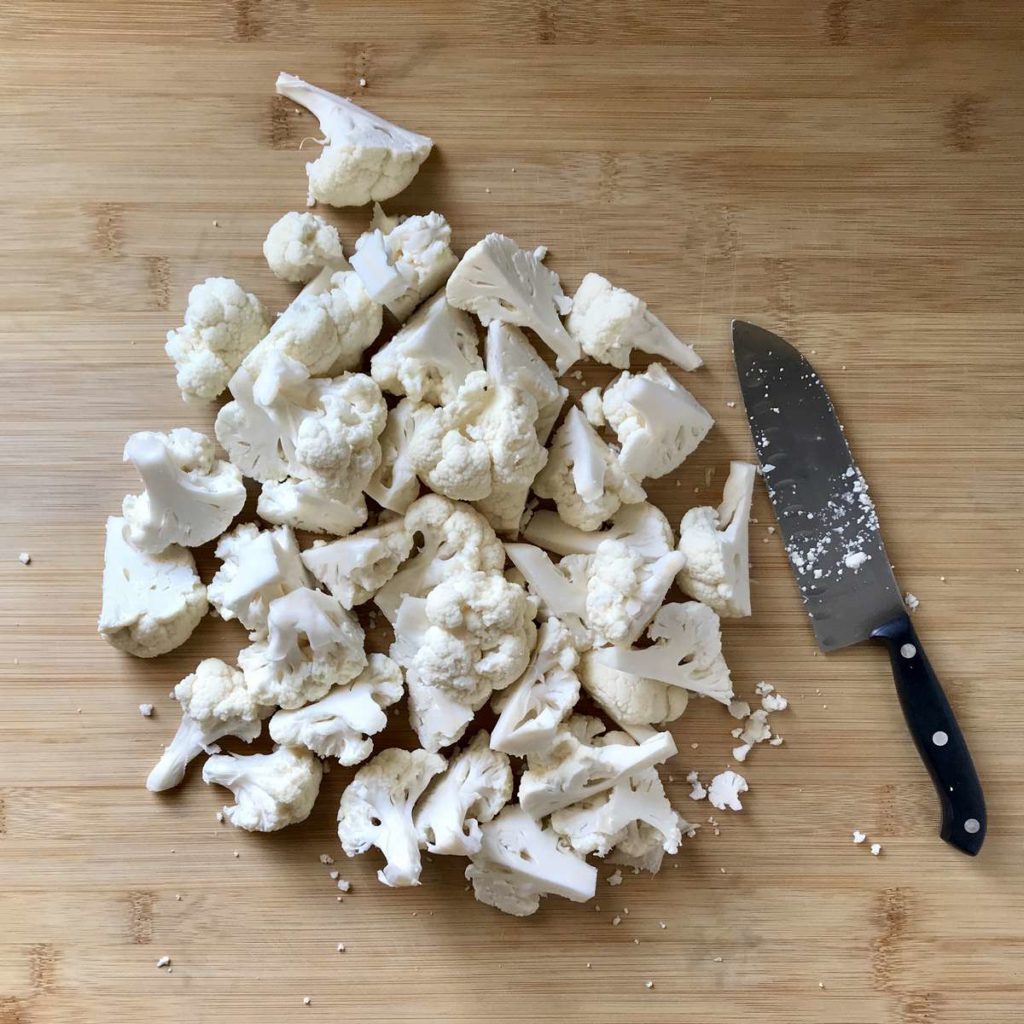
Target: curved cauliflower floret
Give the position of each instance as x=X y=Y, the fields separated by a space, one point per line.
x=365 y=157
x=151 y=603
x=340 y=725
x=299 y=245
x=686 y=651
x=609 y=323
x=215 y=702
x=271 y=791
x=403 y=260
x=377 y=806
x=575 y=767
x=259 y=566
x=394 y=484
x=222 y=323
x=714 y=543
x=452 y=538
x=657 y=421
x=519 y=861
x=313 y=644
x=190 y=496
x=473 y=789
x=308 y=505
x=629 y=699
x=497 y=280
x=531 y=711
x=354 y=568
x=584 y=477
x=561 y=590
x=431 y=356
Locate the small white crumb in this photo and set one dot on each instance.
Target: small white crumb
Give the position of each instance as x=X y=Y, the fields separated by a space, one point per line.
x=146 y=710
x=341 y=947
x=338 y=898
x=616 y=921
x=942 y=579
x=763 y=688
x=694 y=746
x=177 y=897
x=307 y=1000
x=24 y=558
x=730 y=405
x=335 y=875
x=488 y=191
x=768 y=466
x=821 y=984
x=740 y=753
x=718 y=959
x=739 y=709
x=216 y=223
x=775 y=741
x=220 y=816
x=858 y=836
x=344 y=884
x=697 y=792
x=310 y=200
x=911 y=602
x=362 y=83
x=661 y=924
x=164 y=961
x=648 y=984
x=625 y=910
x=237 y=854
x=855 y=560
x=326 y=858
x=876 y=849
x=774 y=702
x=636 y=942
x=615 y=878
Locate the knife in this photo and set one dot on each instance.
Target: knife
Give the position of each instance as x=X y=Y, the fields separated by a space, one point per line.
x=830 y=529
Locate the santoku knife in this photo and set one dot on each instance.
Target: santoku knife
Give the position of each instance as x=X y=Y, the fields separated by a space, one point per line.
x=830 y=529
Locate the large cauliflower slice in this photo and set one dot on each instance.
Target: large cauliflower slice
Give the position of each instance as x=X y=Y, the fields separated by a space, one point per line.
x=394 y=484
x=309 y=505
x=299 y=245
x=628 y=699
x=365 y=157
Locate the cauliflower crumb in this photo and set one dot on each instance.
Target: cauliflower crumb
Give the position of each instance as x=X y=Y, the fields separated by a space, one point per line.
x=24 y=558
x=307 y=1000
x=146 y=710
x=341 y=947
x=855 y=560
x=876 y=849
x=326 y=858
x=697 y=792
x=335 y=875
x=362 y=83
x=648 y=985
x=615 y=878
x=344 y=884
x=911 y=602
x=774 y=702
x=858 y=836
x=164 y=961
x=616 y=921
x=220 y=817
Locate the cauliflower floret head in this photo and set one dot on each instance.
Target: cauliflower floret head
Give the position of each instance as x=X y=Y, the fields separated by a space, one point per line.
x=394 y=485
x=300 y=245
x=629 y=699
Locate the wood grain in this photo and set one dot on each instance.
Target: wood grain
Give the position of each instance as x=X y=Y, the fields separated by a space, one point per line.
x=846 y=171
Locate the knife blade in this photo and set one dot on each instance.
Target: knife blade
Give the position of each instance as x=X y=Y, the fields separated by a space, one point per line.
x=831 y=533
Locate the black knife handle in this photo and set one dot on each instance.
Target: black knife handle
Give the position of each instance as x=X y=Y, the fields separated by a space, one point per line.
x=937 y=736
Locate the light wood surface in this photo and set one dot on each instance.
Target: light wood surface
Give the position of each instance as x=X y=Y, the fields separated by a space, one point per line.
x=848 y=172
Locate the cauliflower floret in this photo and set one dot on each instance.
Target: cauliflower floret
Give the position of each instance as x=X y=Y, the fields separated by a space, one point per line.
x=628 y=699
x=340 y=725
x=308 y=505
x=609 y=322
x=473 y=789
x=584 y=477
x=657 y=421
x=271 y=791
x=394 y=485
x=497 y=280
x=403 y=260
x=259 y=566
x=354 y=568
x=686 y=651
x=313 y=644
x=190 y=496
x=151 y=603
x=561 y=590
x=300 y=245
x=430 y=357
x=714 y=543
x=725 y=789
x=215 y=702
x=365 y=157
x=376 y=810
x=519 y=861
x=222 y=323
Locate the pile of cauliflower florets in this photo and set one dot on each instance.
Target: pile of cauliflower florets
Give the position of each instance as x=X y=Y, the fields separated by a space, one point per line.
x=495 y=601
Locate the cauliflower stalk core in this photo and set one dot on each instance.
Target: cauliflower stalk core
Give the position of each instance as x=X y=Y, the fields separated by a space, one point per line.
x=300 y=245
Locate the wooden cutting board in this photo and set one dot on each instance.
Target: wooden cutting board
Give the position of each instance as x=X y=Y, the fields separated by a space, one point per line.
x=847 y=172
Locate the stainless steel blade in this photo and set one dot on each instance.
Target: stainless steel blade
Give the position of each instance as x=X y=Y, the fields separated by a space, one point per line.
x=828 y=521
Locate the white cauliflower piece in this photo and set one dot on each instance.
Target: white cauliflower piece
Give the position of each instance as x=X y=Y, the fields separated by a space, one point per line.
x=431 y=356
x=365 y=157
x=531 y=711
x=512 y=361
x=215 y=702
x=151 y=603
x=497 y=280
x=299 y=245
x=725 y=789
x=308 y=505
x=271 y=791
x=259 y=566
x=608 y=323
x=222 y=323
x=403 y=260
x=628 y=699
x=190 y=496
x=686 y=651
x=575 y=768
x=473 y=789
x=519 y=861
x=715 y=543
x=354 y=568
x=313 y=644
x=340 y=725
x=394 y=484
x=561 y=590
x=592 y=404
x=377 y=810
x=657 y=421
x=584 y=477
x=642 y=526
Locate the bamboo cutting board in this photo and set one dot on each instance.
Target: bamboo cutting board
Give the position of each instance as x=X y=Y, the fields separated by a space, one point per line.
x=848 y=172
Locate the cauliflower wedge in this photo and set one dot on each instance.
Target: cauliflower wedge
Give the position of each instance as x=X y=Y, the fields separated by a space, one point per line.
x=377 y=810
x=299 y=245
x=394 y=484
x=215 y=702
x=190 y=496
x=222 y=323
x=365 y=157
x=340 y=725
x=309 y=505
x=151 y=603
x=630 y=700
x=271 y=791
x=561 y=590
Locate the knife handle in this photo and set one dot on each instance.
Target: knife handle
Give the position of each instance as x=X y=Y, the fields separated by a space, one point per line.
x=937 y=736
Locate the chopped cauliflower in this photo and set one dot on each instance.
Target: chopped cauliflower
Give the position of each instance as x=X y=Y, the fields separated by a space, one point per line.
x=190 y=496
x=365 y=157
x=300 y=245
x=608 y=323
x=222 y=323
x=629 y=699
x=151 y=603
x=308 y=505
x=394 y=484
x=561 y=589
x=725 y=789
